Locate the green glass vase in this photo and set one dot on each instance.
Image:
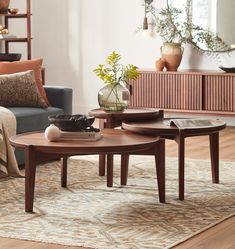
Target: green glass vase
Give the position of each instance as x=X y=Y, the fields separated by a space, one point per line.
x=113 y=98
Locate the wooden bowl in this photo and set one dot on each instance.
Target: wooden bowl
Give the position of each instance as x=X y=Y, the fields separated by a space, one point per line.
x=10 y=57
x=13 y=11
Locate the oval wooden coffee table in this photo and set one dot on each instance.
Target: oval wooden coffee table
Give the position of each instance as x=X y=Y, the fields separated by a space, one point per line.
x=162 y=128
x=113 y=142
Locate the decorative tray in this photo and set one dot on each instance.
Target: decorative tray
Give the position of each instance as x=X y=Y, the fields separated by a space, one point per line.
x=76 y=122
x=228 y=69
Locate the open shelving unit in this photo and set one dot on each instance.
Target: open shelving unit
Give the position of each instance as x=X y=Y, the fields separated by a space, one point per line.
x=28 y=37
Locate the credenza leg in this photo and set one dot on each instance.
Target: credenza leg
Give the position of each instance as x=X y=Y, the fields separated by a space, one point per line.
x=30 y=171
x=214 y=152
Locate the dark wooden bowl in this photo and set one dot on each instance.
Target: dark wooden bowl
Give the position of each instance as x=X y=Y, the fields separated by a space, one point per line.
x=10 y=57
x=71 y=122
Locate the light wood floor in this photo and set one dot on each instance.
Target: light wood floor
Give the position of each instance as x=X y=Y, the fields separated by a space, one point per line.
x=218 y=237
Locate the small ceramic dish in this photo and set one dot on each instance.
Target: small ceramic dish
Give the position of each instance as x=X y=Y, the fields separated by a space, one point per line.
x=228 y=69
x=13 y=11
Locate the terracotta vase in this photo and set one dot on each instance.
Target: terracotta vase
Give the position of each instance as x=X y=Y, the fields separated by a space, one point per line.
x=172 y=54
x=160 y=64
x=4 y=4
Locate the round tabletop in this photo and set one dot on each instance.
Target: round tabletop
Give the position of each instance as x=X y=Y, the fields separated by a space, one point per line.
x=130 y=113
x=114 y=141
x=164 y=127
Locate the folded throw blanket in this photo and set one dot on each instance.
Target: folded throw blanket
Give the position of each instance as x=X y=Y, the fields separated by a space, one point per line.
x=8 y=162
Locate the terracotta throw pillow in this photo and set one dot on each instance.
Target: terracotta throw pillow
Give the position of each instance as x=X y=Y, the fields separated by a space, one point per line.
x=19 y=90
x=22 y=66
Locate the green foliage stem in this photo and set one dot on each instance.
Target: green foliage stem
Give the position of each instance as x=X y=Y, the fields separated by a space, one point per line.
x=114 y=72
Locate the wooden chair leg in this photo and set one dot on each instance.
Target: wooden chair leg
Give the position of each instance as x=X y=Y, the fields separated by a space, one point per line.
x=160 y=169
x=214 y=152
x=64 y=163
x=109 y=170
x=124 y=168
x=102 y=161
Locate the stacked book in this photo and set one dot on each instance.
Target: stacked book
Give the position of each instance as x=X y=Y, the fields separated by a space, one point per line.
x=81 y=135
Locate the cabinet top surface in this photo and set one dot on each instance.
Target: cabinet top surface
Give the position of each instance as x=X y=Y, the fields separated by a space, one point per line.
x=187 y=71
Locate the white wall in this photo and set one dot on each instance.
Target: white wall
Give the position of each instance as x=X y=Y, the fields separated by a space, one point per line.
x=74 y=36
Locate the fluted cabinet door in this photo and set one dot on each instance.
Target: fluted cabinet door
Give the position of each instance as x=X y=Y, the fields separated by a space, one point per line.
x=219 y=93
x=168 y=90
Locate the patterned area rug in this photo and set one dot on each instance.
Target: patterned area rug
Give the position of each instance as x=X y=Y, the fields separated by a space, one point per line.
x=89 y=214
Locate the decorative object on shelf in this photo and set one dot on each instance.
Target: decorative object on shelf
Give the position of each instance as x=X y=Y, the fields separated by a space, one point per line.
x=4 y=33
x=10 y=57
x=3 y=30
x=4 y=4
x=114 y=96
x=227 y=69
x=52 y=133
x=75 y=122
x=172 y=55
x=160 y=64
x=13 y=11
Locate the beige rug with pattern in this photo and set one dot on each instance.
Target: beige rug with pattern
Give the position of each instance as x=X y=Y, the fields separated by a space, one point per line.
x=89 y=214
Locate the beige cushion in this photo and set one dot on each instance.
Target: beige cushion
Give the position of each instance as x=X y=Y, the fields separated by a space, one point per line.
x=20 y=89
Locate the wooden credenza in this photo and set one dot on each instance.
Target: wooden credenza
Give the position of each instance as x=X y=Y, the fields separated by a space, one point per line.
x=194 y=91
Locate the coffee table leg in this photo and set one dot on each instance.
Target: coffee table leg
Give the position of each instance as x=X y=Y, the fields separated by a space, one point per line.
x=102 y=165
x=181 y=161
x=64 y=162
x=124 y=168
x=30 y=171
x=214 y=151
x=160 y=169
x=109 y=170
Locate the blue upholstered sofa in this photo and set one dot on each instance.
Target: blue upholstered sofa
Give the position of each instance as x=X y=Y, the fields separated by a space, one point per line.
x=34 y=119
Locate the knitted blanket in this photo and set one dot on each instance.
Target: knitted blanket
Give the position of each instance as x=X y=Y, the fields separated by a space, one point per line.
x=8 y=162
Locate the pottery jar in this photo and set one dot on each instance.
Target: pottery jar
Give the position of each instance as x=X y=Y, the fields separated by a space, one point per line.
x=4 y=4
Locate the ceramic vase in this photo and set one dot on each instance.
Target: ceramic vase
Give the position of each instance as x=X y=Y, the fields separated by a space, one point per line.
x=4 y=4
x=172 y=54
x=160 y=64
x=113 y=98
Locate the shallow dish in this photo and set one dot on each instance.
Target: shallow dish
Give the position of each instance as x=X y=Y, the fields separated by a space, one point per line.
x=228 y=69
x=10 y=57
x=76 y=122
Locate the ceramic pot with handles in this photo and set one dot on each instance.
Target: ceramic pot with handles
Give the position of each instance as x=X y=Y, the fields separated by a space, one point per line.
x=172 y=54
x=4 y=4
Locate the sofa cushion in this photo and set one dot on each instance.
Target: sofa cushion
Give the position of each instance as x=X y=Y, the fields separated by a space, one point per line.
x=20 y=89
x=33 y=119
x=21 y=66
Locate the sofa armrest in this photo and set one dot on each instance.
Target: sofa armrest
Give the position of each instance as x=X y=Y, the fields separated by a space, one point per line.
x=60 y=97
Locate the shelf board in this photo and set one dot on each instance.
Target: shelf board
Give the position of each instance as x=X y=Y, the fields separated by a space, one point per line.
x=14 y=15
x=15 y=39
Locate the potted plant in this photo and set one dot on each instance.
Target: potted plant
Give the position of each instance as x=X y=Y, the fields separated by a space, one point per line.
x=176 y=29
x=114 y=96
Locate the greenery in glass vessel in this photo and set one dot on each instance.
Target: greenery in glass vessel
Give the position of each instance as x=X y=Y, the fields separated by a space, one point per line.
x=115 y=96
